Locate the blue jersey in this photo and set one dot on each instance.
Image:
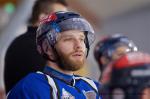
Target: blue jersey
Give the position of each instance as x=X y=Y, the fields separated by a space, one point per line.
x=52 y=84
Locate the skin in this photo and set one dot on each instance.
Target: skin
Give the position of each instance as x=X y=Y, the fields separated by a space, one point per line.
x=146 y=93
x=71 y=51
x=119 y=52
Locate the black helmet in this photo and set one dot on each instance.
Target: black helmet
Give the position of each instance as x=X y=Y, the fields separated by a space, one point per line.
x=132 y=73
x=108 y=45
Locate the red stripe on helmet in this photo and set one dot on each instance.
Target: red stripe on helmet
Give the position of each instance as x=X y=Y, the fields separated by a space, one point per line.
x=132 y=60
x=50 y=17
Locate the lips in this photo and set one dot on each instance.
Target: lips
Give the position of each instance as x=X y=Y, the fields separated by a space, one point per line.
x=78 y=54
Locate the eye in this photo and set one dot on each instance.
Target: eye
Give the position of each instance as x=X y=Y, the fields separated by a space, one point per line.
x=68 y=39
x=81 y=39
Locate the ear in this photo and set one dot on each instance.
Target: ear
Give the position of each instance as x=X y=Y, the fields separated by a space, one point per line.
x=48 y=49
x=39 y=49
x=104 y=60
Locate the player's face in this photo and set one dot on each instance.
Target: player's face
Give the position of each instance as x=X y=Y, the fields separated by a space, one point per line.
x=116 y=54
x=146 y=93
x=119 y=52
x=71 y=49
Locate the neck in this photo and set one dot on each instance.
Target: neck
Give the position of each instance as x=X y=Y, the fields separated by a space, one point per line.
x=56 y=67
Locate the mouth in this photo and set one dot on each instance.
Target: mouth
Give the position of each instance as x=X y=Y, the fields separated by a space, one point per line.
x=78 y=54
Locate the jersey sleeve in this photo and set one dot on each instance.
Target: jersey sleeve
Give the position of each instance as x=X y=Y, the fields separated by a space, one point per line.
x=32 y=87
x=98 y=85
x=20 y=92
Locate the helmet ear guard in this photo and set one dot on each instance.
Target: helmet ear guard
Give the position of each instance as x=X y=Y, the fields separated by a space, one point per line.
x=42 y=48
x=87 y=43
x=46 y=50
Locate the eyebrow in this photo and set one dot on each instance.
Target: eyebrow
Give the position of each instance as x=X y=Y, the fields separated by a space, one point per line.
x=82 y=36
x=67 y=35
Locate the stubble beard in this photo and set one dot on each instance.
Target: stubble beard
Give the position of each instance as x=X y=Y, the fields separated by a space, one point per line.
x=68 y=63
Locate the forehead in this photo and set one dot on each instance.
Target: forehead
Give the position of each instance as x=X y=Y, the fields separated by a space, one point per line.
x=72 y=33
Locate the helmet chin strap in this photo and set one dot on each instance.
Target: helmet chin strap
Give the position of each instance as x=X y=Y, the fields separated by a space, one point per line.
x=86 y=43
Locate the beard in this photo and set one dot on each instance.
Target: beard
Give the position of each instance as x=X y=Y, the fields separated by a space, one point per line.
x=67 y=62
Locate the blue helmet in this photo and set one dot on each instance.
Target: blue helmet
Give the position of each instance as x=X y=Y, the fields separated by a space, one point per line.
x=107 y=46
x=58 y=22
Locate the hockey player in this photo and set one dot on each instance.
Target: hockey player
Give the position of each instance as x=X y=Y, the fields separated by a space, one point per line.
x=108 y=50
x=63 y=39
x=112 y=48
x=130 y=77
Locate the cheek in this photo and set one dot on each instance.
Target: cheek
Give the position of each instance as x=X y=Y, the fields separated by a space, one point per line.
x=65 y=48
x=84 y=47
x=115 y=57
x=69 y=47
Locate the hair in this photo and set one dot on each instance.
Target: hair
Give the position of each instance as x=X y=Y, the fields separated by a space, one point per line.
x=42 y=6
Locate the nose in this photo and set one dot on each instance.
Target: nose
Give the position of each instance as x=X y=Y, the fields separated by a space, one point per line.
x=78 y=44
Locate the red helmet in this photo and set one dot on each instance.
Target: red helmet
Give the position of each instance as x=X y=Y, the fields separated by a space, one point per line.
x=132 y=73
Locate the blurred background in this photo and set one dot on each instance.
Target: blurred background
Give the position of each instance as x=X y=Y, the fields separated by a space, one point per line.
x=128 y=17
